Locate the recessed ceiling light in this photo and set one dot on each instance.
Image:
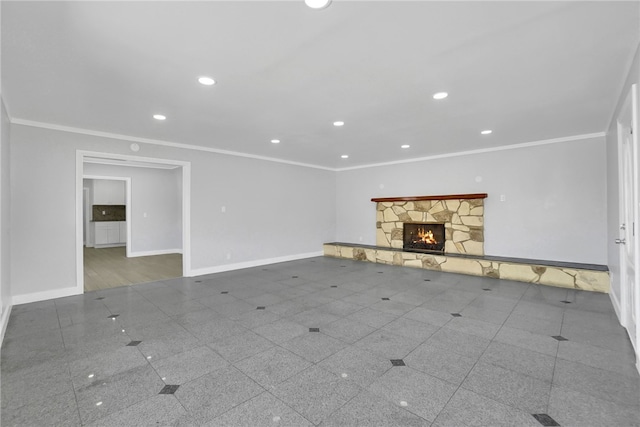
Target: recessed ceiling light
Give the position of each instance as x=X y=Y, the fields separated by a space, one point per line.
x=486 y=132
x=275 y=141
x=338 y=123
x=317 y=4
x=345 y=156
x=405 y=146
x=440 y=95
x=207 y=81
x=159 y=117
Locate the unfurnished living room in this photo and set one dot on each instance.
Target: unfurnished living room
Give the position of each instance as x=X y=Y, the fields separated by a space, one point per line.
x=308 y=213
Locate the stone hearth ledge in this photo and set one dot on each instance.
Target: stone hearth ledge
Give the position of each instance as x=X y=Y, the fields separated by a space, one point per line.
x=587 y=277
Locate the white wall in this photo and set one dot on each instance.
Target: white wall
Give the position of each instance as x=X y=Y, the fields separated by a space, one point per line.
x=555 y=207
x=273 y=210
x=555 y=204
x=613 y=183
x=154 y=192
x=5 y=227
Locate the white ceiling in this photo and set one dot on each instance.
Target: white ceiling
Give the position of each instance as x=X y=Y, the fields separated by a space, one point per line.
x=528 y=70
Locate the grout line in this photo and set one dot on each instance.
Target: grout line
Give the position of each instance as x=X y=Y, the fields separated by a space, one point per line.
x=480 y=357
x=555 y=360
x=73 y=387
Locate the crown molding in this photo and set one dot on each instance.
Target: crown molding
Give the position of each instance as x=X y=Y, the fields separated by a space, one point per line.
x=128 y=138
x=480 y=151
x=110 y=135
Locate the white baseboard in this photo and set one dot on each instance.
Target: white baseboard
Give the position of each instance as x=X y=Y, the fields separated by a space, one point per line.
x=45 y=295
x=249 y=264
x=156 y=252
x=616 y=306
x=4 y=322
x=109 y=245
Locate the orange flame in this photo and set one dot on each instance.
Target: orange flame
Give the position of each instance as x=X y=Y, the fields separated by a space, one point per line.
x=426 y=237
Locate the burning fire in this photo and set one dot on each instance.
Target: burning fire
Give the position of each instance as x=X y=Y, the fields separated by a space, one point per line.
x=425 y=237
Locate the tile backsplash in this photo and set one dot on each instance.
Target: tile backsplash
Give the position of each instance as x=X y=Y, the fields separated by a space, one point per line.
x=109 y=213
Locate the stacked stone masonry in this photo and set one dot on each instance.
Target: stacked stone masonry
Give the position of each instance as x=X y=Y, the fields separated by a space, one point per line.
x=463 y=221
x=573 y=278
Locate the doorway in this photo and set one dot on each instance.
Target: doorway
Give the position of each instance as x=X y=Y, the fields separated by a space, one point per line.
x=628 y=241
x=108 y=259
x=124 y=265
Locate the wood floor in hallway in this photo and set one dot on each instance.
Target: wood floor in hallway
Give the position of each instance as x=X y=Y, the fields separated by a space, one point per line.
x=110 y=268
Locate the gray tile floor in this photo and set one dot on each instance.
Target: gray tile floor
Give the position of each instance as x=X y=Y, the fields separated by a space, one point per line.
x=320 y=342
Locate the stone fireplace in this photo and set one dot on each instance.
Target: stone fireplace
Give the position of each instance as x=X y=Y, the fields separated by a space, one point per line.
x=462 y=216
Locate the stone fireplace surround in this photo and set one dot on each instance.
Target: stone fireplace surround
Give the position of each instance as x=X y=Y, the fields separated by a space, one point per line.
x=463 y=216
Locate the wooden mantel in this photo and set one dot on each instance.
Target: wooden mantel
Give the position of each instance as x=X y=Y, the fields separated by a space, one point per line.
x=417 y=198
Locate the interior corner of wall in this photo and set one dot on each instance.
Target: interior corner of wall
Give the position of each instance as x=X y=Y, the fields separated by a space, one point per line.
x=4 y=320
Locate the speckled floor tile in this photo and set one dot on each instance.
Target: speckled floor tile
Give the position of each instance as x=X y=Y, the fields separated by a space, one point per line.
x=600 y=383
x=314 y=347
x=158 y=410
x=31 y=384
x=411 y=329
x=467 y=408
x=358 y=365
x=316 y=393
x=388 y=344
x=368 y=409
x=281 y=330
x=58 y=409
x=524 y=339
x=348 y=330
x=373 y=318
x=320 y=341
x=272 y=366
x=104 y=365
x=440 y=363
x=509 y=387
x=102 y=398
x=517 y=359
x=262 y=410
x=572 y=408
x=213 y=394
x=238 y=347
x=186 y=366
x=418 y=393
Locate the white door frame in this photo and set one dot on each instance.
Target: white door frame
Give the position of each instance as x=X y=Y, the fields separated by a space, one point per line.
x=627 y=311
x=186 y=207
x=85 y=212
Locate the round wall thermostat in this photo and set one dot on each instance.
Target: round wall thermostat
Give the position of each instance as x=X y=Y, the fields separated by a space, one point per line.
x=135 y=147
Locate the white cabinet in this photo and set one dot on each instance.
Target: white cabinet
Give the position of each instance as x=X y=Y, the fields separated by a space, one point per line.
x=123 y=231
x=112 y=233
x=108 y=192
x=101 y=234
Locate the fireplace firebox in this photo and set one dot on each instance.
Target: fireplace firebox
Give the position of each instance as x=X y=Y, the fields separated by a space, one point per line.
x=423 y=237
